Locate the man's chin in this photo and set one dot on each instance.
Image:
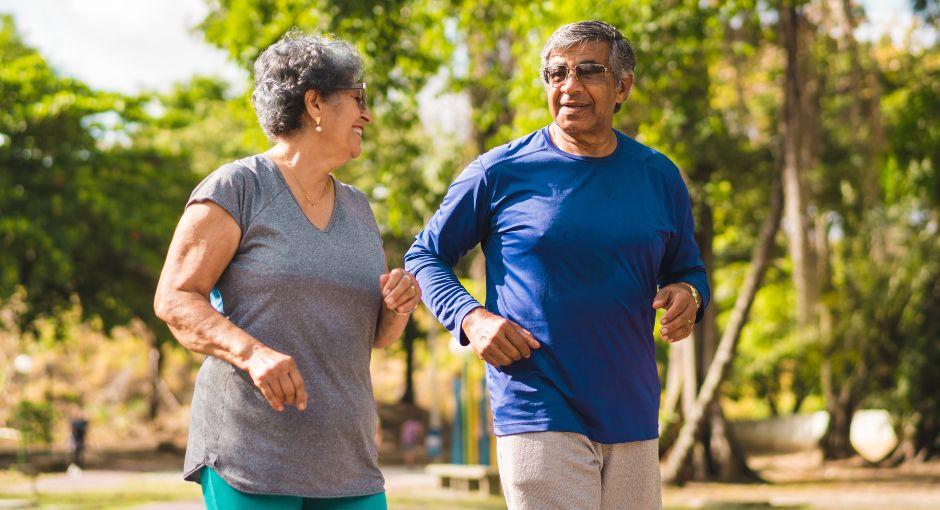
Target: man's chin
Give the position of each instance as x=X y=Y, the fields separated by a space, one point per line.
x=570 y=125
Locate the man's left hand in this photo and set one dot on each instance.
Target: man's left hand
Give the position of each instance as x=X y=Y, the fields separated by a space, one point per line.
x=680 y=308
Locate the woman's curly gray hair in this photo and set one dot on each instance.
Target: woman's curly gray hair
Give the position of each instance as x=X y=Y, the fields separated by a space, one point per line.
x=622 y=59
x=287 y=69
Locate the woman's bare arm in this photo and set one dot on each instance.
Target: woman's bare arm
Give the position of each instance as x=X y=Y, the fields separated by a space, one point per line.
x=202 y=247
x=400 y=296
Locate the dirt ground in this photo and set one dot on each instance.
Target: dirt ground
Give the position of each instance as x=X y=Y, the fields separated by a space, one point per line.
x=804 y=481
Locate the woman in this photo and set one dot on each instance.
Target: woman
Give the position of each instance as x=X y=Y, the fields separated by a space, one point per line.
x=283 y=413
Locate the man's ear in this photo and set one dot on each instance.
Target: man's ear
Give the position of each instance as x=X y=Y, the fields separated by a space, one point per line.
x=624 y=87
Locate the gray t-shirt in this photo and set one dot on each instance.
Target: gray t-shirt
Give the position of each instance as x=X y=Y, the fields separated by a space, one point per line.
x=308 y=293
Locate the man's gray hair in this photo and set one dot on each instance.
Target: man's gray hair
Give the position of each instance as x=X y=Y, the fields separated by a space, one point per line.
x=287 y=69
x=622 y=58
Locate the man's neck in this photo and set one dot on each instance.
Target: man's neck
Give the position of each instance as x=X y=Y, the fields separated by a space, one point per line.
x=593 y=145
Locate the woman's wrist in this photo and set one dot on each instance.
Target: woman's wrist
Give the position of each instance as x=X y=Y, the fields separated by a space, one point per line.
x=407 y=313
x=392 y=312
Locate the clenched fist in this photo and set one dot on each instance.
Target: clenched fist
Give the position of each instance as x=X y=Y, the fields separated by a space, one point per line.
x=497 y=340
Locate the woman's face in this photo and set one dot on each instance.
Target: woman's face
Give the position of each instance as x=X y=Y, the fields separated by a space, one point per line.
x=343 y=119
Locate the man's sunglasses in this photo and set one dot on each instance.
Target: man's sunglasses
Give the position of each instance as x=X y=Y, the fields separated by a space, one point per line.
x=360 y=96
x=587 y=73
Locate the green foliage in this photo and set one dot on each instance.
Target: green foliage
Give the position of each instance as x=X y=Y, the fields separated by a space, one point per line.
x=913 y=127
x=84 y=215
x=91 y=184
x=34 y=421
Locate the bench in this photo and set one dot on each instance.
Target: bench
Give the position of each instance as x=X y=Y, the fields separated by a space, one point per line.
x=467 y=477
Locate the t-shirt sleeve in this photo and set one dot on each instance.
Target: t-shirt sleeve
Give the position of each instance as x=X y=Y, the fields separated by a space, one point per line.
x=226 y=187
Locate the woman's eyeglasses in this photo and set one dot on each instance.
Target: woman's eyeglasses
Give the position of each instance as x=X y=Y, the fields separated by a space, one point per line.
x=587 y=73
x=360 y=95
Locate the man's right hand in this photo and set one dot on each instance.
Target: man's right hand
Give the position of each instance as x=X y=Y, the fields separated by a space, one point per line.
x=496 y=340
x=275 y=374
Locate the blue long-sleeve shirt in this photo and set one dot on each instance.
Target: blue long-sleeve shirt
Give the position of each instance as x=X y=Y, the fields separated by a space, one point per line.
x=575 y=248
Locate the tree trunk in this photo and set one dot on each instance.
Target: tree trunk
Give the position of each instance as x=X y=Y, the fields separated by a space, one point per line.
x=155 y=366
x=727 y=346
x=673 y=391
x=695 y=469
x=836 y=444
x=841 y=406
x=793 y=155
x=408 y=343
x=728 y=457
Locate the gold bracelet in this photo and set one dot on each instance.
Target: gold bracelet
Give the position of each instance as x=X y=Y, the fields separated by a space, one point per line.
x=396 y=312
x=695 y=295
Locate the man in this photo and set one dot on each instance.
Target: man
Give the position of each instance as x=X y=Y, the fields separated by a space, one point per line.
x=585 y=232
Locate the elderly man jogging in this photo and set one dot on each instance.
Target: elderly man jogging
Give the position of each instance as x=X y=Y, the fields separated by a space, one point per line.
x=585 y=232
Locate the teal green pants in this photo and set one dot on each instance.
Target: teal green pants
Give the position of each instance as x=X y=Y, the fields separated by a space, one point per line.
x=219 y=495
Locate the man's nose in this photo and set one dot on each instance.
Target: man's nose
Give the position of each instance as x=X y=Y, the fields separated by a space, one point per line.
x=572 y=84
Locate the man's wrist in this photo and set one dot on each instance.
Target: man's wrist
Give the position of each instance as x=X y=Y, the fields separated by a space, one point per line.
x=695 y=294
x=468 y=318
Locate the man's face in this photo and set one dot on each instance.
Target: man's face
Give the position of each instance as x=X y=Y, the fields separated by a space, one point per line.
x=585 y=106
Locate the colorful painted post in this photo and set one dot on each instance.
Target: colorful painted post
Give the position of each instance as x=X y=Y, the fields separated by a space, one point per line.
x=484 y=421
x=471 y=430
x=456 y=437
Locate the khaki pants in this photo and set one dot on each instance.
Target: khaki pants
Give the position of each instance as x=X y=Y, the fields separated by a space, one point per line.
x=568 y=471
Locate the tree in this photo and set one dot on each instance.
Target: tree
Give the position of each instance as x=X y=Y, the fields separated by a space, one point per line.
x=86 y=215
x=725 y=353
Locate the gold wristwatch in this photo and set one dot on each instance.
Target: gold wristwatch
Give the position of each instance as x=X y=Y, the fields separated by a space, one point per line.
x=695 y=295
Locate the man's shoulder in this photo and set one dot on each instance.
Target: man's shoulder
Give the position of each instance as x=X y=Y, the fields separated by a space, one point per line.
x=517 y=150
x=636 y=149
x=648 y=156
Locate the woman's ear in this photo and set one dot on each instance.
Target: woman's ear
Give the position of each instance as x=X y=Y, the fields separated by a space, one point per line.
x=312 y=101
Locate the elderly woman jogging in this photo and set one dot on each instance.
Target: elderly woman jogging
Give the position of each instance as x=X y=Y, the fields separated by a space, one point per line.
x=283 y=414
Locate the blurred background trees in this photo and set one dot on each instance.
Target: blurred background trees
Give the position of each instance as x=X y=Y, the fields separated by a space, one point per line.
x=744 y=95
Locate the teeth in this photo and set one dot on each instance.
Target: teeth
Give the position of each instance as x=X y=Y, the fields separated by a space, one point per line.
x=358 y=130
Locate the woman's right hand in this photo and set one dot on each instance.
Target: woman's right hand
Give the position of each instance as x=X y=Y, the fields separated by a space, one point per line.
x=275 y=374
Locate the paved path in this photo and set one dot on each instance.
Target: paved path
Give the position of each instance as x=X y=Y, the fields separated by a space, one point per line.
x=875 y=492
x=397 y=480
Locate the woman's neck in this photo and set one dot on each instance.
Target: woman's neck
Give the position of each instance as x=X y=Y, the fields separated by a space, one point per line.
x=305 y=159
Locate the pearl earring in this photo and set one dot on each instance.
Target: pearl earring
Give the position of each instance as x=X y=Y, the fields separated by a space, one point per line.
x=319 y=129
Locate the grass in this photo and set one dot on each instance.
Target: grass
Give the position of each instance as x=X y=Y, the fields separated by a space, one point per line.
x=443 y=502
x=130 y=498
x=129 y=495
x=94 y=500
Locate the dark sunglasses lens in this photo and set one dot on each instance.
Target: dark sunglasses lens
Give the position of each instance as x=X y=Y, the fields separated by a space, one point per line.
x=556 y=74
x=590 y=72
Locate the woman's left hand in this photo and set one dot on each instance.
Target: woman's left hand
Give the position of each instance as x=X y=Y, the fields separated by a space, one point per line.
x=400 y=291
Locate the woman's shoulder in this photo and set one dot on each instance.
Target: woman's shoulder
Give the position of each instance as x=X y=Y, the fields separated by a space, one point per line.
x=256 y=168
x=244 y=187
x=355 y=194
x=361 y=207
x=253 y=175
